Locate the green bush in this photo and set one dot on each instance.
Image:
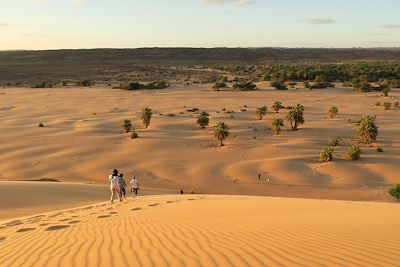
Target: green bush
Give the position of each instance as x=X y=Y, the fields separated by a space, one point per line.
x=277 y=106
x=379 y=149
x=333 y=111
x=134 y=135
x=146 y=116
x=279 y=85
x=354 y=153
x=246 y=86
x=335 y=141
x=218 y=85
x=261 y=111
x=203 y=120
x=387 y=105
x=40 y=125
x=127 y=125
x=326 y=154
x=86 y=83
x=396 y=104
x=395 y=192
x=378 y=104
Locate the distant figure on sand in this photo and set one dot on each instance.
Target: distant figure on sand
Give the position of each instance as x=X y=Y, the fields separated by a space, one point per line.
x=259 y=176
x=234 y=180
x=122 y=185
x=181 y=191
x=134 y=186
x=268 y=180
x=114 y=185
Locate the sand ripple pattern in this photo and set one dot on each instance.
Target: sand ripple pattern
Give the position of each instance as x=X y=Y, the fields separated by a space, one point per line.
x=210 y=231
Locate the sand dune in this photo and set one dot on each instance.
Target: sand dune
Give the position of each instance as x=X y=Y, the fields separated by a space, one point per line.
x=82 y=141
x=206 y=230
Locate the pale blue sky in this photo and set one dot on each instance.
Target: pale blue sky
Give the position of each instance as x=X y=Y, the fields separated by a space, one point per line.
x=53 y=24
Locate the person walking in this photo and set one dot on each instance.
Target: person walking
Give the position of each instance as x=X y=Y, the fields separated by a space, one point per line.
x=134 y=186
x=114 y=185
x=122 y=185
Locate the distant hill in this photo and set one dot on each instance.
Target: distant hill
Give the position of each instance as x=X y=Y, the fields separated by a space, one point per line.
x=24 y=67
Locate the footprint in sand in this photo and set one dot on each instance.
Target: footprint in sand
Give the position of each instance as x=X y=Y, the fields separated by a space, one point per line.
x=23 y=230
x=2 y=238
x=191 y=199
x=64 y=220
x=169 y=202
x=74 y=222
x=56 y=227
x=154 y=204
x=14 y=223
x=103 y=216
x=112 y=212
x=43 y=224
x=136 y=209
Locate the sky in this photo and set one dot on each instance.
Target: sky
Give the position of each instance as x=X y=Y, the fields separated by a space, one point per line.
x=59 y=24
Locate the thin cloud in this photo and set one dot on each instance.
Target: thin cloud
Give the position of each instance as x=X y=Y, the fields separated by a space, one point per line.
x=320 y=21
x=4 y=24
x=390 y=26
x=238 y=2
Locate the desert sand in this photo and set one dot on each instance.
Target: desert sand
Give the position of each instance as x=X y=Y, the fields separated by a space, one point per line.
x=207 y=230
x=82 y=141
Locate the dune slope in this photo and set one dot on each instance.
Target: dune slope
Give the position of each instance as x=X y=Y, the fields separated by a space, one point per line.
x=205 y=230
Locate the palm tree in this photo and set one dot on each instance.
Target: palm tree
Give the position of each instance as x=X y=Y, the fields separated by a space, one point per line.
x=126 y=125
x=276 y=125
x=261 y=111
x=202 y=119
x=326 y=154
x=146 y=116
x=295 y=116
x=277 y=106
x=221 y=132
x=368 y=131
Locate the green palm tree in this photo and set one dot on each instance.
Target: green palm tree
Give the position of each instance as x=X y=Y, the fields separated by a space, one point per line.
x=127 y=125
x=146 y=116
x=295 y=116
x=221 y=132
x=368 y=131
x=277 y=106
x=261 y=111
x=276 y=125
x=203 y=120
x=333 y=111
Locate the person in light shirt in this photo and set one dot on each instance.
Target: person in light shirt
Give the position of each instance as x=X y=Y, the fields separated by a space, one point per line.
x=114 y=185
x=134 y=186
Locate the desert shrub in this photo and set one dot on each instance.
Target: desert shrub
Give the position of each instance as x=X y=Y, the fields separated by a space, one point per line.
x=326 y=154
x=64 y=83
x=295 y=116
x=221 y=132
x=203 y=119
x=361 y=83
x=395 y=192
x=378 y=104
x=387 y=105
x=85 y=83
x=279 y=85
x=42 y=85
x=40 y=125
x=261 y=111
x=333 y=111
x=126 y=125
x=321 y=85
x=396 y=104
x=292 y=84
x=134 y=135
x=150 y=86
x=335 y=141
x=192 y=110
x=386 y=91
x=354 y=153
x=46 y=180
x=367 y=131
x=277 y=125
x=245 y=86
x=379 y=149
x=277 y=106
x=146 y=116
x=218 y=85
